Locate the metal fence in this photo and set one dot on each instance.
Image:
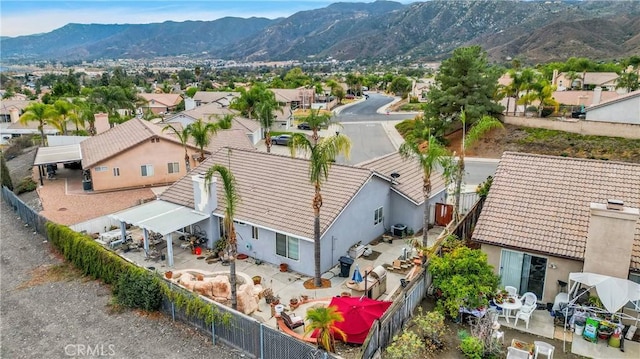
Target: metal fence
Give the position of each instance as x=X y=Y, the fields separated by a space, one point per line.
x=26 y=213
x=246 y=334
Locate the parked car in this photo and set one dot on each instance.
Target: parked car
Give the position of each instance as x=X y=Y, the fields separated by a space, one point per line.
x=281 y=140
x=304 y=126
x=350 y=97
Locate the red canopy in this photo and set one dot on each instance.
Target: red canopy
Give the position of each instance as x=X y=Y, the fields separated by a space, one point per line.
x=359 y=315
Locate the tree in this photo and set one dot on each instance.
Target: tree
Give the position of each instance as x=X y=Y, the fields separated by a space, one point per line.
x=66 y=113
x=400 y=86
x=231 y=202
x=265 y=112
x=541 y=91
x=183 y=137
x=5 y=174
x=464 y=278
x=430 y=155
x=628 y=81
x=476 y=132
x=322 y=155
x=41 y=113
x=248 y=101
x=464 y=80
x=323 y=319
x=316 y=120
x=201 y=133
x=406 y=346
x=296 y=78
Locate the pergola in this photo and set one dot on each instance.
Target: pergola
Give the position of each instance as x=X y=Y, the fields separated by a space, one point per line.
x=56 y=154
x=160 y=217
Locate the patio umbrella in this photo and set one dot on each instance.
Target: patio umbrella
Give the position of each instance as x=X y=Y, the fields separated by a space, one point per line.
x=359 y=315
x=613 y=292
x=357 y=276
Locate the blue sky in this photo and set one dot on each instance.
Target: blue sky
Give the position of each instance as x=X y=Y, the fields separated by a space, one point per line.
x=25 y=17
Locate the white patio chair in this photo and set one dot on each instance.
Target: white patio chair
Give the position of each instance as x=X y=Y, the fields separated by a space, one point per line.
x=543 y=348
x=529 y=299
x=515 y=353
x=498 y=335
x=525 y=314
x=513 y=291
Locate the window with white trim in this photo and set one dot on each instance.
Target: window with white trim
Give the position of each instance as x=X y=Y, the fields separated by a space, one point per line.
x=173 y=167
x=100 y=168
x=378 y=216
x=287 y=246
x=254 y=232
x=146 y=170
x=116 y=171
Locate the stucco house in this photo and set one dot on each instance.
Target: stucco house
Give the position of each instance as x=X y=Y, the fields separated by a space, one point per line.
x=295 y=98
x=212 y=112
x=621 y=109
x=585 y=81
x=274 y=218
x=134 y=154
x=548 y=216
x=222 y=98
x=160 y=103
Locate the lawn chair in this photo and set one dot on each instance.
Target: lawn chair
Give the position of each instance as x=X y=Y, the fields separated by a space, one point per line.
x=292 y=322
x=543 y=348
x=513 y=291
x=515 y=353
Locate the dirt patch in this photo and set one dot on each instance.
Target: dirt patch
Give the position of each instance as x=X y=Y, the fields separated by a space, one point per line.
x=50 y=273
x=308 y=284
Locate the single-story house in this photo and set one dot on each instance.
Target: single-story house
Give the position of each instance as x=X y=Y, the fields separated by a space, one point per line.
x=621 y=109
x=295 y=98
x=274 y=217
x=548 y=216
x=213 y=113
x=606 y=80
x=223 y=99
x=136 y=153
x=160 y=103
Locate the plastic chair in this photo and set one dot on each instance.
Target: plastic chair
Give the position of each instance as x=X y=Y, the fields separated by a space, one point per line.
x=543 y=348
x=498 y=335
x=515 y=353
x=513 y=291
x=529 y=299
x=525 y=314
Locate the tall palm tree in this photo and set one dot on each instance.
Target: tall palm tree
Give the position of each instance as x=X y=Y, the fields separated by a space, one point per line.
x=316 y=120
x=41 y=113
x=183 y=137
x=231 y=201
x=322 y=155
x=476 y=132
x=201 y=133
x=225 y=122
x=323 y=319
x=66 y=113
x=264 y=111
x=430 y=155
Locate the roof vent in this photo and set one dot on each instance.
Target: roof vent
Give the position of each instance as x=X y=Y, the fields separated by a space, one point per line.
x=394 y=177
x=615 y=204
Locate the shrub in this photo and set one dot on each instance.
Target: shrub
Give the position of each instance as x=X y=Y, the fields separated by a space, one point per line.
x=6 y=176
x=137 y=288
x=406 y=346
x=471 y=347
x=433 y=329
x=26 y=185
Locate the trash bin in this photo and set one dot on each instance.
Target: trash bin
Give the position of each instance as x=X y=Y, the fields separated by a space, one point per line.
x=345 y=266
x=87 y=185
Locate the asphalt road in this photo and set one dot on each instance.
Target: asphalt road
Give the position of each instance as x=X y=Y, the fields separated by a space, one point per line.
x=366 y=110
x=361 y=121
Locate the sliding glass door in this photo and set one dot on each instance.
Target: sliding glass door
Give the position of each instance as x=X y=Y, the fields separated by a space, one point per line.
x=523 y=271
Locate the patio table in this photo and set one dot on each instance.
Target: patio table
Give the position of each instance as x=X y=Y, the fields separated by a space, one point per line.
x=507 y=307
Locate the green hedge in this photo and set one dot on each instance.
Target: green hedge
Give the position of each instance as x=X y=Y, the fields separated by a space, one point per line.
x=134 y=287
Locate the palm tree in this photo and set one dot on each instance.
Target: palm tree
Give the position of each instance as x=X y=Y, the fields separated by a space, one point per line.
x=201 y=133
x=542 y=91
x=323 y=320
x=225 y=122
x=231 y=201
x=322 y=155
x=628 y=81
x=66 y=113
x=476 y=131
x=183 y=137
x=264 y=111
x=429 y=154
x=41 y=113
x=316 y=120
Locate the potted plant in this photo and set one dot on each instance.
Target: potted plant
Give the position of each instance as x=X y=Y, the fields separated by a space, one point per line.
x=294 y=303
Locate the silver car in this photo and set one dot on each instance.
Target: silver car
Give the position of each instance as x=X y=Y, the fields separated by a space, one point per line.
x=281 y=140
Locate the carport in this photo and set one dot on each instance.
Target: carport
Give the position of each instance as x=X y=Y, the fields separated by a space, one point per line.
x=160 y=217
x=54 y=155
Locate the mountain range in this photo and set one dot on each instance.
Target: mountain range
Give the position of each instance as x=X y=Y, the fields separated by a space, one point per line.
x=536 y=31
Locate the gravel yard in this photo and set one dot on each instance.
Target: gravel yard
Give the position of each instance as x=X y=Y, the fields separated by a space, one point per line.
x=48 y=310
